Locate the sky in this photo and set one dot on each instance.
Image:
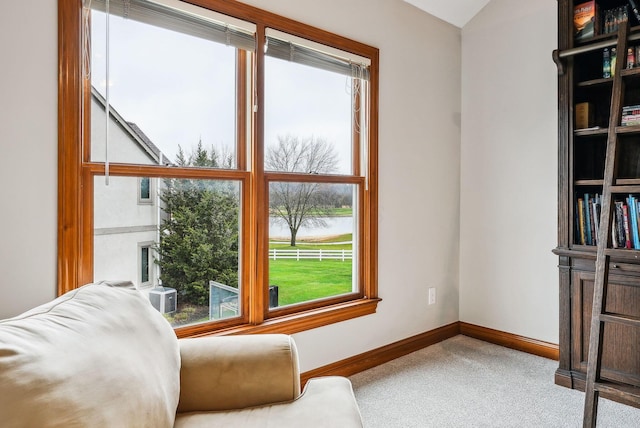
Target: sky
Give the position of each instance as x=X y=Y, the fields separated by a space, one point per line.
x=180 y=90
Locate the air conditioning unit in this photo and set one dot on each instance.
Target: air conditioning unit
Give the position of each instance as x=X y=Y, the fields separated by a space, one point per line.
x=164 y=299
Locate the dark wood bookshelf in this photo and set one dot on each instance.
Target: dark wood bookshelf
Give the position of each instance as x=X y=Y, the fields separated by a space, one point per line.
x=597 y=183
x=631 y=73
x=584 y=248
x=608 y=36
x=591 y=132
x=595 y=82
x=628 y=129
x=623 y=254
x=581 y=166
x=622 y=190
x=628 y=182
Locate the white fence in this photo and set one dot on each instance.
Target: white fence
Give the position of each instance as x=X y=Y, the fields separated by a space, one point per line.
x=277 y=254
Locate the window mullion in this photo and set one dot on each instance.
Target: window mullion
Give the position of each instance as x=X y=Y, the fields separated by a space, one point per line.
x=243 y=73
x=258 y=306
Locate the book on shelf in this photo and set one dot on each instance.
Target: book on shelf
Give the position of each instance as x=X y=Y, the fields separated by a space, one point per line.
x=585 y=20
x=584 y=115
x=632 y=202
x=625 y=230
x=630 y=115
x=626 y=226
x=630 y=120
x=588 y=219
x=581 y=235
x=633 y=109
x=637 y=208
x=619 y=225
x=595 y=215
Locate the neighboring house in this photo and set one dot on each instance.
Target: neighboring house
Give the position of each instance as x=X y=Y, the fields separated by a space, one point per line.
x=127 y=209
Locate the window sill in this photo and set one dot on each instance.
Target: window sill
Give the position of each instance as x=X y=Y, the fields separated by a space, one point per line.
x=295 y=323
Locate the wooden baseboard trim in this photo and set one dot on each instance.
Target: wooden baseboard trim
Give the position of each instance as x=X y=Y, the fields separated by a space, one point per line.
x=513 y=341
x=367 y=360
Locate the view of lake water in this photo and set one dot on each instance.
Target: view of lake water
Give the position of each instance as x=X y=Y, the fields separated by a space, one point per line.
x=335 y=226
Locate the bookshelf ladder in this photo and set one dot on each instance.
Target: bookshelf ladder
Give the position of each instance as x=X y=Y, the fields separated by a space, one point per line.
x=594 y=383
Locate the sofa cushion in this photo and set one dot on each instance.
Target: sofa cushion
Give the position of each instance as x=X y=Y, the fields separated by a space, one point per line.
x=98 y=356
x=327 y=402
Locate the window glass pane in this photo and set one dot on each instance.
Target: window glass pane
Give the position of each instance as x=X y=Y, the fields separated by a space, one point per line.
x=308 y=111
x=145 y=190
x=144 y=265
x=312 y=241
x=193 y=233
x=167 y=91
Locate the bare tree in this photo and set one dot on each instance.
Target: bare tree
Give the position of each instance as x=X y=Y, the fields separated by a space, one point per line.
x=298 y=204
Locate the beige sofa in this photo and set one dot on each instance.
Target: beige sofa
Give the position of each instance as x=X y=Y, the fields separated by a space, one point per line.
x=102 y=356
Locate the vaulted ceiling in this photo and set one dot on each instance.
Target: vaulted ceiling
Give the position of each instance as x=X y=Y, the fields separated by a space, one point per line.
x=456 y=12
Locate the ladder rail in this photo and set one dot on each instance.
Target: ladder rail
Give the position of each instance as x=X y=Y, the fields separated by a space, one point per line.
x=594 y=361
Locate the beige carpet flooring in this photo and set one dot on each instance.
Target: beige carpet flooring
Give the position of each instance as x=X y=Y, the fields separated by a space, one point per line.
x=463 y=382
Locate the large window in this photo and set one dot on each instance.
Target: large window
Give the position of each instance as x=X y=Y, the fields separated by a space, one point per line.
x=242 y=180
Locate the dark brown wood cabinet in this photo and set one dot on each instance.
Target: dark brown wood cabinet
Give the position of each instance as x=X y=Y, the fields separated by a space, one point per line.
x=585 y=88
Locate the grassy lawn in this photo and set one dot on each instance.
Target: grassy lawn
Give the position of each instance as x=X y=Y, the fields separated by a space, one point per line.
x=304 y=280
x=297 y=281
x=301 y=281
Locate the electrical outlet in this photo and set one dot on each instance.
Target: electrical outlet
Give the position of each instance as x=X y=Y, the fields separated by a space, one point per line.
x=432 y=296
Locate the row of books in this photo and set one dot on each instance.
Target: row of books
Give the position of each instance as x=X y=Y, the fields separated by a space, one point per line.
x=589 y=22
x=630 y=115
x=613 y=18
x=625 y=231
x=588 y=218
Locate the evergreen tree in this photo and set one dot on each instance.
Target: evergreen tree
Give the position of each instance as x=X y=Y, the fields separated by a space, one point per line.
x=199 y=231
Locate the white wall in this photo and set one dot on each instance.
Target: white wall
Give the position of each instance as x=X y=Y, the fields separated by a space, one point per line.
x=28 y=149
x=418 y=170
x=419 y=165
x=508 y=276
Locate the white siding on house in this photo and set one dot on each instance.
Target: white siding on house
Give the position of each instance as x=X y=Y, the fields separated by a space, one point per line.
x=121 y=222
x=122 y=225
x=122 y=147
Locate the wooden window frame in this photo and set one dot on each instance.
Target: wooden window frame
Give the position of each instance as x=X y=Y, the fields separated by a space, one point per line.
x=76 y=172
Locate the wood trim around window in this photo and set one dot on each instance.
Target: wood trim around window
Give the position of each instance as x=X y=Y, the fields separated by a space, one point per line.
x=75 y=179
x=69 y=151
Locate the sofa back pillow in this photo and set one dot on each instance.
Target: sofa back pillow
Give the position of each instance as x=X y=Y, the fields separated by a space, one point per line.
x=98 y=356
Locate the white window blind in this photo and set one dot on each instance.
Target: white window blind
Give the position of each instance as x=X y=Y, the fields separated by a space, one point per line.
x=183 y=18
x=295 y=49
